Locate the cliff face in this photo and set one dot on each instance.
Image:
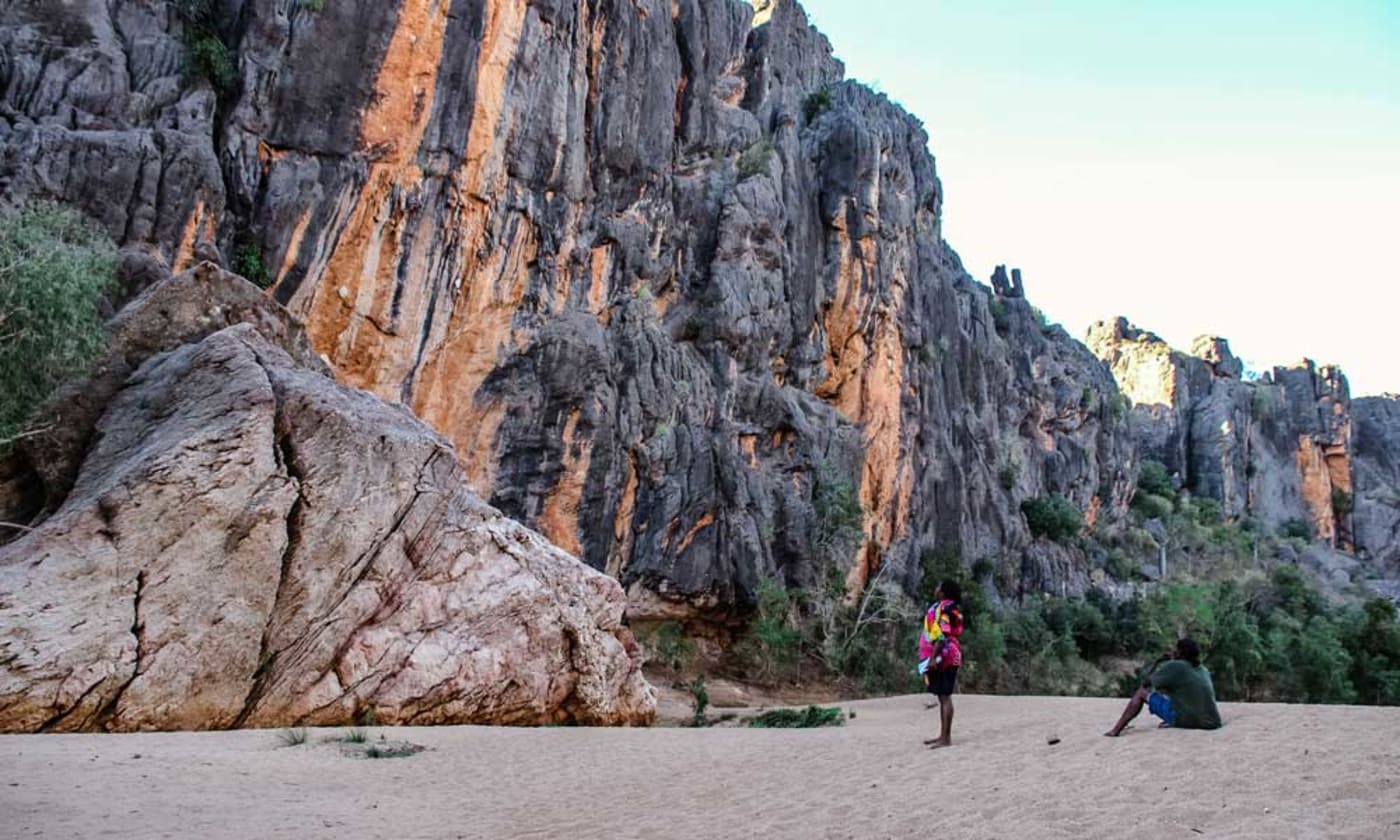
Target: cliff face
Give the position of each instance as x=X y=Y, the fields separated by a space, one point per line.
x=1276 y=449
x=657 y=272
x=1376 y=472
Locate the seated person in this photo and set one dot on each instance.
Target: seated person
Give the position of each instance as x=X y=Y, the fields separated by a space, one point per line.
x=1178 y=690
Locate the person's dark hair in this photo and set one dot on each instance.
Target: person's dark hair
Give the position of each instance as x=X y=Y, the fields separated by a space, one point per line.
x=951 y=590
x=1186 y=648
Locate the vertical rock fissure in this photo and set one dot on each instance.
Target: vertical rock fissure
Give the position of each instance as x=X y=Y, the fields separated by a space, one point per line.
x=285 y=454
x=102 y=717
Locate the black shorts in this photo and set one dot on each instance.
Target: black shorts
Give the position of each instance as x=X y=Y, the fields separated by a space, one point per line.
x=942 y=680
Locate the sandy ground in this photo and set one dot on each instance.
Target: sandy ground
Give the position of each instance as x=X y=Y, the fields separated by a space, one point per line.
x=1274 y=771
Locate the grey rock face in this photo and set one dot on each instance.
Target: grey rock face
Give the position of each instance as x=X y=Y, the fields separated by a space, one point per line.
x=96 y=111
x=1278 y=449
x=653 y=270
x=1376 y=467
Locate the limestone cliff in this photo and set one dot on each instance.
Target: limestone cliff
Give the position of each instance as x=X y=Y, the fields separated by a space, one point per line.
x=1276 y=449
x=652 y=267
x=1376 y=477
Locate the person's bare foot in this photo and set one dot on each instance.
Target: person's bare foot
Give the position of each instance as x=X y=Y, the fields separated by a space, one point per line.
x=939 y=742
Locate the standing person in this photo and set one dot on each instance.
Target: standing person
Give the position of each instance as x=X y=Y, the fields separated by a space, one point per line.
x=940 y=655
x=1178 y=690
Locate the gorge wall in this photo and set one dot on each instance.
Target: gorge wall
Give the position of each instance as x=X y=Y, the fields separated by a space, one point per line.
x=658 y=273
x=1289 y=446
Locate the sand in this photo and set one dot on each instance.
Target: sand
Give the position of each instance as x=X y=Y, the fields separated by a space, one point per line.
x=1274 y=771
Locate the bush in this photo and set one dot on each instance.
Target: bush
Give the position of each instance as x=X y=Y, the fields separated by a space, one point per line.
x=1373 y=638
x=212 y=60
x=1152 y=506
x=756 y=159
x=292 y=737
x=1052 y=517
x=700 y=701
x=1298 y=529
x=1121 y=568
x=670 y=646
x=839 y=520
x=1207 y=512
x=816 y=104
x=54 y=267
x=1001 y=318
x=1153 y=479
x=249 y=263
x=810 y=717
x=208 y=56
x=771 y=646
x=1007 y=477
x=1040 y=320
x=1342 y=502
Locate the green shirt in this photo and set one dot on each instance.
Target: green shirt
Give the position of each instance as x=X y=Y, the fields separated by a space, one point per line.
x=1192 y=694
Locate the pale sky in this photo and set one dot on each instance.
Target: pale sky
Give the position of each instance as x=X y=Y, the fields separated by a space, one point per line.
x=1226 y=167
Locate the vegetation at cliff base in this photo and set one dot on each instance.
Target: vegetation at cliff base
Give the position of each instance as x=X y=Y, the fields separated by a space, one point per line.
x=54 y=268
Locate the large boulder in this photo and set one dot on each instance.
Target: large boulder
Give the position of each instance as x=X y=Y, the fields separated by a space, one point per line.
x=248 y=543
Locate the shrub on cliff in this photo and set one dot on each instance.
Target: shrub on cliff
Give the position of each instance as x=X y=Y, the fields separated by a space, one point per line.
x=1295 y=529
x=54 y=267
x=756 y=159
x=1154 y=479
x=816 y=104
x=1052 y=517
x=208 y=56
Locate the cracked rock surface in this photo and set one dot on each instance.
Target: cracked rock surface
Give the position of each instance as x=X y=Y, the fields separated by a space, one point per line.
x=248 y=543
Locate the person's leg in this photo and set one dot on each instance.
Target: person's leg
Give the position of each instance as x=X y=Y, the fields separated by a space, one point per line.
x=945 y=715
x=1134 y=706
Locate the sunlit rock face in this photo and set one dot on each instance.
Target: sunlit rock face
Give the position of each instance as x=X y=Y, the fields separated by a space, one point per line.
x=1277 y=448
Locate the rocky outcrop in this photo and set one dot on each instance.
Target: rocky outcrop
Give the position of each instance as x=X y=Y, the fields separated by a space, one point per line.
x=247 y=543
x=1376 y=473
x=1275 y=449
x=652 y=267
x=97 y=110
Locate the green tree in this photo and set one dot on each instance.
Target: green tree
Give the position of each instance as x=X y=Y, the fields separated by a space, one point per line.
x=1154 y=479
x=54 y=268
x=1372 y=636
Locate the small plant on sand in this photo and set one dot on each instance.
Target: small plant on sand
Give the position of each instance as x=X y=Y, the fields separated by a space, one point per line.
x=808 y=718
x=393 y=749
x=700 y=700
x=292 y=737
x=355 y=735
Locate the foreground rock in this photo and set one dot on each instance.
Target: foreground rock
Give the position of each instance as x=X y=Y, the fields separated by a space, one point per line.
x=248 y=543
